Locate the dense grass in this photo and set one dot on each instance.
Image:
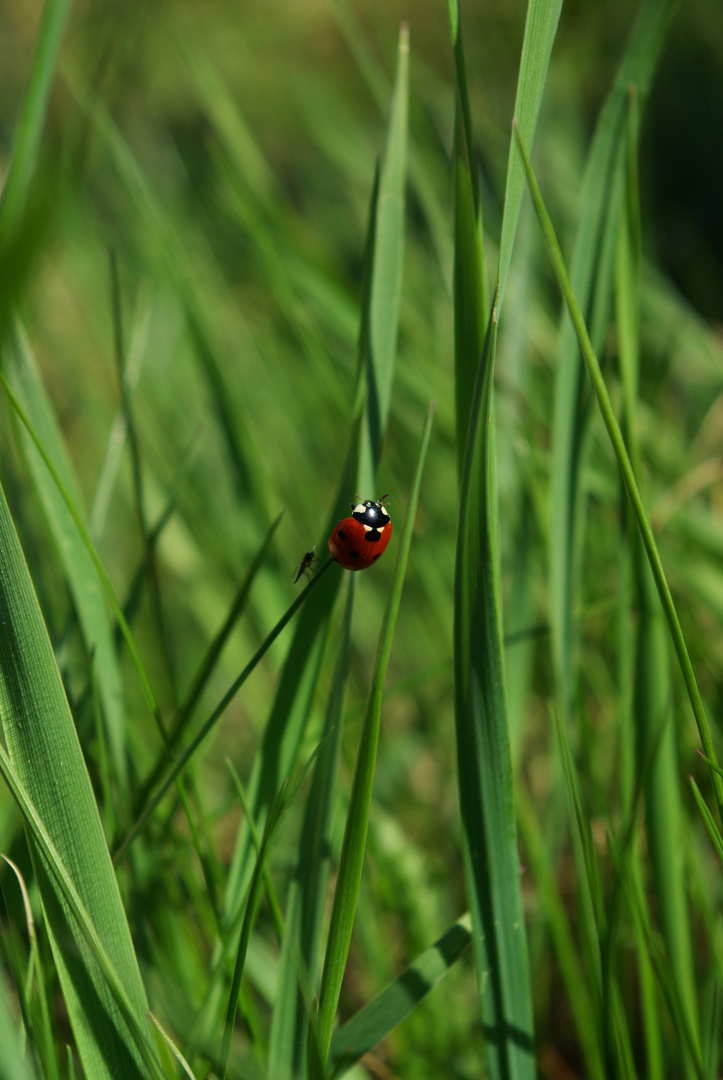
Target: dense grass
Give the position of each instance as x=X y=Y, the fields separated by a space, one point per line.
x=433 y=819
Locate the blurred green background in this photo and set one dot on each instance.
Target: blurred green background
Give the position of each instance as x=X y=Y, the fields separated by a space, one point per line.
x=225 y=153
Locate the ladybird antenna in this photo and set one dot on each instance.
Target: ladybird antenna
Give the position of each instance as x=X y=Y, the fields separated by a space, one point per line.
x=383 y=498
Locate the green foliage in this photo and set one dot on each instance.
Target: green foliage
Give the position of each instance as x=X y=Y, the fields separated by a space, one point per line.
x=441 y=827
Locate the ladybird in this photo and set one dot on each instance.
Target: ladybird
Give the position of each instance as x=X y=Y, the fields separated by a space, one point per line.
x=359 y=540
x=305 y=565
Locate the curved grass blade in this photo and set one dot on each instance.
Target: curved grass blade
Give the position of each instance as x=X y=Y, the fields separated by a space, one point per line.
x=386 y=1011
x=626 y=468
x=354 y=843
x=48 y=777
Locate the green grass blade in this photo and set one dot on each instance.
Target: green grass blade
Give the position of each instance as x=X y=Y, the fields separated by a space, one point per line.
x=354 y=844
x=209 y=724
x=298 y=967
x=618 y=443
x=389 y=1008
x=540 y=30
x=591 y=270
x=492 y=869
x=31 y=118
x=46 y=761
x=708 y=819
x=80 y=572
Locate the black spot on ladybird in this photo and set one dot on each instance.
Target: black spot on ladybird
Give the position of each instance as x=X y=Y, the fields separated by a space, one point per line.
x=341 y=534
x=376 y=556
x=354 y=554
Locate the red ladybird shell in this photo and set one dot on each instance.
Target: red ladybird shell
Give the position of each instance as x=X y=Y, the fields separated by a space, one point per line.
x=358 y=541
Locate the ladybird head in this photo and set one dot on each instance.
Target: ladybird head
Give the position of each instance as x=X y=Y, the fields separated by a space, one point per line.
x=372 y=514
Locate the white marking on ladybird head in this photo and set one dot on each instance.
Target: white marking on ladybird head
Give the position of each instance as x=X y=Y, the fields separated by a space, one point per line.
x=369 y=528
x=383 y=510
x=359 y=509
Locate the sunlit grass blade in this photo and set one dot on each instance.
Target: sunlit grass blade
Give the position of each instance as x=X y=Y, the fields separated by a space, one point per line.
x=386 y=1011
x=47 y=775
x=72 y=551
x=298 y=967
x=591 y=270
x=354 y=844
x=618 y=444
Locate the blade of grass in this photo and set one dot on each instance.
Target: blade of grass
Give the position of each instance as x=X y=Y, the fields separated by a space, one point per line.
x=391 y=1007
x=107 y=1010
x=217 y=712
x=491 y=860
x=591 y=269
x=80 y=572
x=618 y=443
x=354 y=843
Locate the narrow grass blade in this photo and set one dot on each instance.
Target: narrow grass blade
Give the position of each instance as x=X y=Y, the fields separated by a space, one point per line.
x=469 y=279
x=540 y=30
x=298 y=967
x=190 y=750
x=386 y=1011
x=46 y=760
x=492 y=869
x=618 y=444
x=591 y=270
x=31 y=118
x=354 y=844
x=80 y=572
